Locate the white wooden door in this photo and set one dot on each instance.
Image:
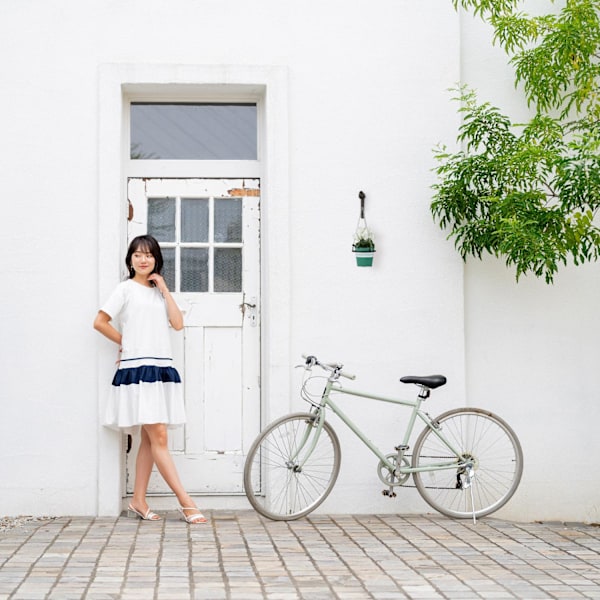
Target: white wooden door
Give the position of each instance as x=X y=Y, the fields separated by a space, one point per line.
x=208 y=230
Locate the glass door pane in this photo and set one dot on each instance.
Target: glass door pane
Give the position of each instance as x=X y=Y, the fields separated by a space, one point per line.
x=161 y=218
x=168 y=271
x=194 y=220
x=194 y=269
x=228 y=220
x=228 y=270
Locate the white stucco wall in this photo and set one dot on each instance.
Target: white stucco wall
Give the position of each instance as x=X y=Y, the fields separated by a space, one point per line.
x=365 y=101
x=370 y=121
x=532 y=348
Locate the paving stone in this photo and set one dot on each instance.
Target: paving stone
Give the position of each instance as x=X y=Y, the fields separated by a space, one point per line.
x=240 y=555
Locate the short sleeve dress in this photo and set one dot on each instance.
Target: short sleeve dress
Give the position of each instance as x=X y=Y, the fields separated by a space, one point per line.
x=146 y=387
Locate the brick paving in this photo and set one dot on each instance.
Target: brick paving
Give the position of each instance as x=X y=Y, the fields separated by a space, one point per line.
x=240 y=555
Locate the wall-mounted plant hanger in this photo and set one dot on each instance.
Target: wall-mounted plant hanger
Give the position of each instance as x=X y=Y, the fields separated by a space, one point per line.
x=364 y=244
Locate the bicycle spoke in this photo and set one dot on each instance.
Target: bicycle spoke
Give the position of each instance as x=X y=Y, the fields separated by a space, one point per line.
x=287 y=474
x=484 y=441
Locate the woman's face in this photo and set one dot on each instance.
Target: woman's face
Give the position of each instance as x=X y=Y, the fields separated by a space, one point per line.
x=143 y=262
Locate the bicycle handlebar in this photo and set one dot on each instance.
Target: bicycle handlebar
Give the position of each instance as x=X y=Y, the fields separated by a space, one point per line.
x=311 y=361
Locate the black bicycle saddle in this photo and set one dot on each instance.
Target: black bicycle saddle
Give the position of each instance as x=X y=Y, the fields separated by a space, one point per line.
x=430 y=381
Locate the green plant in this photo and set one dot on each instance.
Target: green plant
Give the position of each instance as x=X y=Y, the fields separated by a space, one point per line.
x=363 y=239
x=529 y=193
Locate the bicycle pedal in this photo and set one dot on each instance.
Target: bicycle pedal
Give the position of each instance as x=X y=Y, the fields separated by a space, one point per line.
x=388 y=493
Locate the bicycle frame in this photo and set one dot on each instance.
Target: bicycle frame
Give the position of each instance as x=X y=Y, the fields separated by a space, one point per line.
x=319 y=410
x=466 y=461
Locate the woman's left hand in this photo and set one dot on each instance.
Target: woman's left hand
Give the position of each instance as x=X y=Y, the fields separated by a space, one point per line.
x=159 y=282
x=173 y=312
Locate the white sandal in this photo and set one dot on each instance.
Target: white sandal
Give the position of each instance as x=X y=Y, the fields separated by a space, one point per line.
x=195 y=519
x=147 y=516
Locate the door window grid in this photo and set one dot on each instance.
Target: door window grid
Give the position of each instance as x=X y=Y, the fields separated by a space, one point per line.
x=222 y=260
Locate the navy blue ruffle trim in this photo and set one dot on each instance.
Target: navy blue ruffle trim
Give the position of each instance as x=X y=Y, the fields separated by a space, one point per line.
x=146 y=374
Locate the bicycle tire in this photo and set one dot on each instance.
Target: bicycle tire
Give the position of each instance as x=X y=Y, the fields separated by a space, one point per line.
x=272 y=483
x=498 y=463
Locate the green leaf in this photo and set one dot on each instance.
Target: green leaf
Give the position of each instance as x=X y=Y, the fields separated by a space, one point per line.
x=529 y=192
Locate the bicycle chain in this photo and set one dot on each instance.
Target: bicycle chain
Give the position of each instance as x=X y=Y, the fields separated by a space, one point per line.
x=427 y=487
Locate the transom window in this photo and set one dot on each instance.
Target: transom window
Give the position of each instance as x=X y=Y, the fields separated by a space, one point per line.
x=193 y=131
x=201 y=242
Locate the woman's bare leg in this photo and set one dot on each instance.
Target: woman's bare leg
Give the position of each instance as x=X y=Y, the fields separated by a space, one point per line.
x=157 y=434
x=143 y=469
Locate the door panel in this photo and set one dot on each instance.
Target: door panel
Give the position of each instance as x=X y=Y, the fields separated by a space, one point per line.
x=209 y=233
x=223 y=392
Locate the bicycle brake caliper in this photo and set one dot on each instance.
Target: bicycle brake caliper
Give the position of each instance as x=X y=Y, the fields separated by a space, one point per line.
x=434 y=424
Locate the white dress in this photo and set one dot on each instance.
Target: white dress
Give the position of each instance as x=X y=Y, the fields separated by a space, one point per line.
x=146 y=387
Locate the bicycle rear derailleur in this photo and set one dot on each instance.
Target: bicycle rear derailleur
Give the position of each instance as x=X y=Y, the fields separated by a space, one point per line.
x=464 y=477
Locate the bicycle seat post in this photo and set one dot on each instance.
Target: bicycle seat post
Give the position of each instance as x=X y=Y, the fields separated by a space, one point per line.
x=425 y=392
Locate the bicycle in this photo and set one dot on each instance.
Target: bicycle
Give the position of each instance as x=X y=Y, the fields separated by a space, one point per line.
x=466 y=463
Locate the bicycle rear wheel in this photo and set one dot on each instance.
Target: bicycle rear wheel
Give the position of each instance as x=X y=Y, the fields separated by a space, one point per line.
x=496 y=456
x=283 y=479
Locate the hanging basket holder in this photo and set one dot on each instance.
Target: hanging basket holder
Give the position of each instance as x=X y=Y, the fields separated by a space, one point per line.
x=364 y=245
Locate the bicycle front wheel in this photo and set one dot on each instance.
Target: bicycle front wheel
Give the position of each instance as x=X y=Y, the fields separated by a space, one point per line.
x=486 y=442
x=290 y=468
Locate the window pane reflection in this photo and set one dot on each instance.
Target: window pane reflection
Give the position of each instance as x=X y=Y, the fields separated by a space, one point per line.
x=161 y=219
x=228 y=270
x=228 y=220
x=194 y=220
x=194 y=269
x=168 y=270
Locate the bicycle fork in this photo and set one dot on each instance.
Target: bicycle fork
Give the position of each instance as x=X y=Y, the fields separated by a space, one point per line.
x=313 y=429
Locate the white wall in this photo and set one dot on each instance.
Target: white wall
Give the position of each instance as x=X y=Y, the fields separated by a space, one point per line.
x=367 y=102
x=369 y=111
x=48 y=271
x=532 y=348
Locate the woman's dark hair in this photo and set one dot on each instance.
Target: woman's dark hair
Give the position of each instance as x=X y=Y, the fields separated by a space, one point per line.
x=144 y=243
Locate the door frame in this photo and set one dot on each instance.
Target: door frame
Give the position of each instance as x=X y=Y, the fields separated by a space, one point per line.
x=268 y=86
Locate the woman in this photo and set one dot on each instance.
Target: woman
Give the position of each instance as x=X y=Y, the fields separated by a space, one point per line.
x=146 y=390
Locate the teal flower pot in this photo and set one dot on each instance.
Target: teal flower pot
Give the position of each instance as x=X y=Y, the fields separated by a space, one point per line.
x=364 y=257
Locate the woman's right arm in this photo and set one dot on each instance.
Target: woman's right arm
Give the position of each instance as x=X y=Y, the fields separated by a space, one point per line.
x=102 y=324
